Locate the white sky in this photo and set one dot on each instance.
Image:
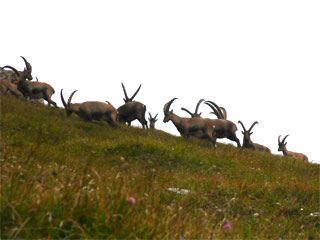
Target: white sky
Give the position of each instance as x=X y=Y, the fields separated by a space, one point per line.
x=258 y=59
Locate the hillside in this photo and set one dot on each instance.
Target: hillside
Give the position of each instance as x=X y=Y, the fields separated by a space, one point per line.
x=62 y=177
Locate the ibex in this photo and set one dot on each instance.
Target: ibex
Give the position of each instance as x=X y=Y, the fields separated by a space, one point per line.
x=247 y=143
x=152 y=121
x=283 y=148
x=34 y=90
x=91 y=110
x=223 y=128
x=12 y=77
x=132 y=110
x=197 y=127
x=195 y=114
x=6 y=87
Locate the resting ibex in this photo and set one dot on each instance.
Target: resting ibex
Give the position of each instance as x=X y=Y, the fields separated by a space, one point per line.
x=152 y=121
x=91 y=110
x=12 y=77
x=34 y=90
x=6 y=87
x=197 y=127
x=247 y=143
x=223 y=128
x=283 y=148
x=132 y=110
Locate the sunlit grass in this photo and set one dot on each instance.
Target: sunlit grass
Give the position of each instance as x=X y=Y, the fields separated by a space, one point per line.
x=66 y=178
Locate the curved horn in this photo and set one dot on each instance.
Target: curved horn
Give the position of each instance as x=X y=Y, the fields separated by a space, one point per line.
x=135 y=93
x=218 y=110
x=224 y=112
x=28 y=66
x=125 y=92
x=284 y=139
x=242 y=125
x=155 y=116
x=215 y=110
x=150 y=116
x=256 y=122
x=13 y=69
x=197 y=107
x=183 y=109
x=168 y=104
x=279 y=139
x=69 y=100
x=62 y=100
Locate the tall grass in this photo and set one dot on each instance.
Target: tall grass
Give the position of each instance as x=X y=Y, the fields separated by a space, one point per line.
x=66 y=178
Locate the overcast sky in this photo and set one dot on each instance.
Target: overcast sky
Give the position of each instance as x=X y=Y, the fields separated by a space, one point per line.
x=258 y=59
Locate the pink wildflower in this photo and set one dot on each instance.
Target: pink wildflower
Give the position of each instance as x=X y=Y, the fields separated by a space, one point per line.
x=227 y=226
x=132 y=200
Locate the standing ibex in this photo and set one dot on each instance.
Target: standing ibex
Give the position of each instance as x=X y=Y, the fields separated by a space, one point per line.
x=152 y=121
x=12 y=77
x=132 y=110
x=91 y=110
x=34 y=90
x=247 y=143
x=283 y=148
x=223 y=128
x=198 y=127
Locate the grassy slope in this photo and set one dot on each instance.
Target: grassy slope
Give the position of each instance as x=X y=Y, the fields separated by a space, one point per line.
x=66 y=178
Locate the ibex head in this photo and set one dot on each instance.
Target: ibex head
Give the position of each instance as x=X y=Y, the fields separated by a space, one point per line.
x=195 y=114
x=127 y=99
x=247 y=133
x=166 y=108
x=282 y=144
x=152 y=120
x=67 y=105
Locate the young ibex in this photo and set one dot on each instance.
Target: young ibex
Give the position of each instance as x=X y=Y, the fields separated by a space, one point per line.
x=247 y=143
x=12 y=77
x=197 y=127
x=152 y=121
x=132 y=110
x=283 y=148
x=223 y=128
x=34 y=90
x=91 y=110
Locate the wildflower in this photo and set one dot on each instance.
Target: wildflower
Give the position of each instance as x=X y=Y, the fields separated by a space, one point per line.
x=132 y=200
x=227 y=226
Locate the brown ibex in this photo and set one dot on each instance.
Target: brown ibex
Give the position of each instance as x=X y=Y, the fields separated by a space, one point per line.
x=6 y=87
x=152 y=121
x=132 y=110
x=283 y=148
x=197 y=127
x=223 y=128
x=34 y=90
x=12 y=77
x=91 y=110
x=247 y=143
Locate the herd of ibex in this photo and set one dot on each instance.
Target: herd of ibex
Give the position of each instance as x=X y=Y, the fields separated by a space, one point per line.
x=18 y=83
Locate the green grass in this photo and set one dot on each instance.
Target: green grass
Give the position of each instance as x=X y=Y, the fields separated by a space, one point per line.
x=62 y=177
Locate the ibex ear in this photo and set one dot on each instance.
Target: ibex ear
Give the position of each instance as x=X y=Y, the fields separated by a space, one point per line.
x=156 y=120
x=124 y=99
x=171 y=111
x=285 y=144
x=251 y=133
x=242 y=132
